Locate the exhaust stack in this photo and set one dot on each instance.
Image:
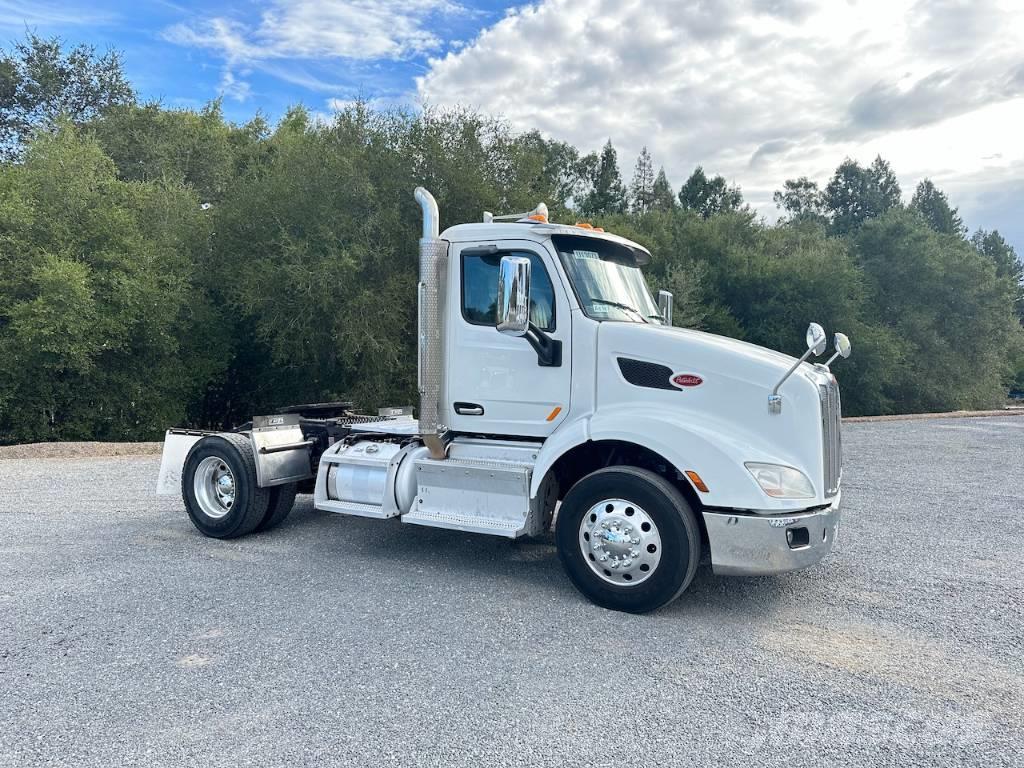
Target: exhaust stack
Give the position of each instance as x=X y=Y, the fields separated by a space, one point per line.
x=433 y=265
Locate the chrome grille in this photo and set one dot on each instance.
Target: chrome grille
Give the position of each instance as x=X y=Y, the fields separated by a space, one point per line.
x=832 y=445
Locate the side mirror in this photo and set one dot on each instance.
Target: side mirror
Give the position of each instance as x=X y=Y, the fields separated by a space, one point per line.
x=842 y=347
x=665 y=306
x=513 y=295
x=816 y=339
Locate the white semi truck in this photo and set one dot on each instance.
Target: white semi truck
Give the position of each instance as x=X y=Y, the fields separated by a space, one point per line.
x=554 y=388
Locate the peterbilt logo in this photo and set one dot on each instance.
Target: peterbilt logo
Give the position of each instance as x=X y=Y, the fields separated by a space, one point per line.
x=686 y=380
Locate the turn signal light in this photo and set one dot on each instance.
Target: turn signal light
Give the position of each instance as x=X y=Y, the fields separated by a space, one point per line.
x=697 y=482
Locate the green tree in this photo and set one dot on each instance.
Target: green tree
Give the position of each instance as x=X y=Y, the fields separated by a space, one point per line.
x=641 y=190
x=856 y=194
x=1008 y=265
x=104 y=331
x=196 y=148
x=40 y=82
x=662 y=196
x=801 y=199
x=932 y=205
x=706 y=197
x=950 y=309
x=607 y=194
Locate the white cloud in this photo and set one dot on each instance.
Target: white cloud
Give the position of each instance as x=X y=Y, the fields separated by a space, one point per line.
x=18 y=14
x=290 y=30
x=760 y=90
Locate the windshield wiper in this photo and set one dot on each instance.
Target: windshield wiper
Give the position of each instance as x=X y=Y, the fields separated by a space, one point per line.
x=626 y=307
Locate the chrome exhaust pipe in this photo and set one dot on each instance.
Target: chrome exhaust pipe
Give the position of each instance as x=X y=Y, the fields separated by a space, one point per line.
x=433 y=265
x=431 y=222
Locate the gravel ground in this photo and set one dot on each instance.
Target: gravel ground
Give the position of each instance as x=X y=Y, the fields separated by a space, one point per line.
x=128 y=639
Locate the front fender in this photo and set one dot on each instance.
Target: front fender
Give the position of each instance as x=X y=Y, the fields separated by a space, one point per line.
x=713 y=448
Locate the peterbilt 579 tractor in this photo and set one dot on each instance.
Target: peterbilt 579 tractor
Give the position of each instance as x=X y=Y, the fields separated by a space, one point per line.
x=554 y=390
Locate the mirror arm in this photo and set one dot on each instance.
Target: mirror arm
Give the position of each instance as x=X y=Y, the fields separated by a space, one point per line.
x=549 y=351
x=775 y=399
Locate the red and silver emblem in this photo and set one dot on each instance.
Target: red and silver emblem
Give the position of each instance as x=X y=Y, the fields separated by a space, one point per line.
x=686 y=380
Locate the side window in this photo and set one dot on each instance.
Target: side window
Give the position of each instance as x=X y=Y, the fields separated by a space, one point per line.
x=480 y=289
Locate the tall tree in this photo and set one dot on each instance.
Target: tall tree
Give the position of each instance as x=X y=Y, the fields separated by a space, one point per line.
x=642 y=188
x=951 y=310
x=932 y=205
x=801 y=199
x=607 y=192
x=40 y=82
x=856 y=194
x=662 y=196
x=708 y=196
x=105 y=329
x=1008 y=264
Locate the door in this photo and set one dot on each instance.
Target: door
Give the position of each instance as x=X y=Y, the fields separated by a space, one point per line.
x=495 y=383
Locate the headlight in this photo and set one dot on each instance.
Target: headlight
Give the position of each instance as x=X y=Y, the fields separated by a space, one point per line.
x=781 y=482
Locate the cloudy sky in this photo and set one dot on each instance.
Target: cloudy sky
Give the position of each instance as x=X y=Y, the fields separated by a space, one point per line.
x=757 y=90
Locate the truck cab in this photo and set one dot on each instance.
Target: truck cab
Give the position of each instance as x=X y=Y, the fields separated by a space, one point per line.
x=555 y=392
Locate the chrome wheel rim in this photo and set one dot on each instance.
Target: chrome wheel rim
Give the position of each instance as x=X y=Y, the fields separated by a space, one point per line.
x=214 y=486
x=620 y=542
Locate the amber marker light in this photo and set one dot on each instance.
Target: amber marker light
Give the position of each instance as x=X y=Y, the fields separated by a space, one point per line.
x=697 y=482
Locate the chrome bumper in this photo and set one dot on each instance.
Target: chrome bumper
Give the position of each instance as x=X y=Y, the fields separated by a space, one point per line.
x=758 y=545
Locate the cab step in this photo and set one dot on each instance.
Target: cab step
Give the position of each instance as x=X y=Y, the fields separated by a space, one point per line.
x=482 y=494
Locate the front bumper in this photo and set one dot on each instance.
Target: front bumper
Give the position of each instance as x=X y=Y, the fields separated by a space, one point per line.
x=757 y=545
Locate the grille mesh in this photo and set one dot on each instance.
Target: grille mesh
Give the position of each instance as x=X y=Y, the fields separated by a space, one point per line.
x=832 y=445
x=643 y=374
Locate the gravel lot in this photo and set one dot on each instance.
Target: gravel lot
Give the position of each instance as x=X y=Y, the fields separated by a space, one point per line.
x=126 y=638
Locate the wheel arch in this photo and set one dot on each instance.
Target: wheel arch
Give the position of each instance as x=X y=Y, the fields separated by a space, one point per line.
x=715 y=449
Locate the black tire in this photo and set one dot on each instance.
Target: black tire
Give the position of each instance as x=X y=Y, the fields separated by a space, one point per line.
x=675 y=523
x=249 y=502
x=282 y=499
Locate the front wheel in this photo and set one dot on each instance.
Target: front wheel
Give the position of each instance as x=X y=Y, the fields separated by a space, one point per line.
x=628 y=539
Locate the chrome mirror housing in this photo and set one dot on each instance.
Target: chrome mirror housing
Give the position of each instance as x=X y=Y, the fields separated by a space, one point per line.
x=817 y=339
x=665 y=306
x=842 y=347
x=513 y=303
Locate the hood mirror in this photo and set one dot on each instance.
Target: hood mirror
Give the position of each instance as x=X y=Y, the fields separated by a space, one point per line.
x=842 y=347
x=817 y=340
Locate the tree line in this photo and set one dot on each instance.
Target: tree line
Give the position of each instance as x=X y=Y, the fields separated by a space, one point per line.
x=168 y=267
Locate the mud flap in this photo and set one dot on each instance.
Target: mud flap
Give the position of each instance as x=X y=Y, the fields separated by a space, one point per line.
x=177 y=444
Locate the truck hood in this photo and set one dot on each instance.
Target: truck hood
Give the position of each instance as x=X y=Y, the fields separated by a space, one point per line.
x=677 y=347
x=719 y=410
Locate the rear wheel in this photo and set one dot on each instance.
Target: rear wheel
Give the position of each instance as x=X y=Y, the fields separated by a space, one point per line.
x=628 y=539
x=218 y=485
x=282 y=499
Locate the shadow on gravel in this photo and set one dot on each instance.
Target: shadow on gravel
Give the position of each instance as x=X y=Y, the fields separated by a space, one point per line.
x=329 y=542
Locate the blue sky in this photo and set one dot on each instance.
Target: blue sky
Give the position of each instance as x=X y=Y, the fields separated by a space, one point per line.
x=757 y=90
x=170 y=54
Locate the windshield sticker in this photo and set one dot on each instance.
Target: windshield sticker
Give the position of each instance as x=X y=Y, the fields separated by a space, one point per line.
x=586 y=254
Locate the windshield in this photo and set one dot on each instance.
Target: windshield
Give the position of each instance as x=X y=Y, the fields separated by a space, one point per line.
x=606 y=278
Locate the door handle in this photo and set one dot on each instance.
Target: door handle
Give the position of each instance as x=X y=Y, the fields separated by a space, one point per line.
x=469 y=409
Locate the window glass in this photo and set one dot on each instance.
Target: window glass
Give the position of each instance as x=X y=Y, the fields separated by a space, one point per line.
x=480 y=289
x=607 y=279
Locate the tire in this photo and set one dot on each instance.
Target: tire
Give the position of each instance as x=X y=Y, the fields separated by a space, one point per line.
x=219 y=508
x=606 y=554
x=282 y=499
